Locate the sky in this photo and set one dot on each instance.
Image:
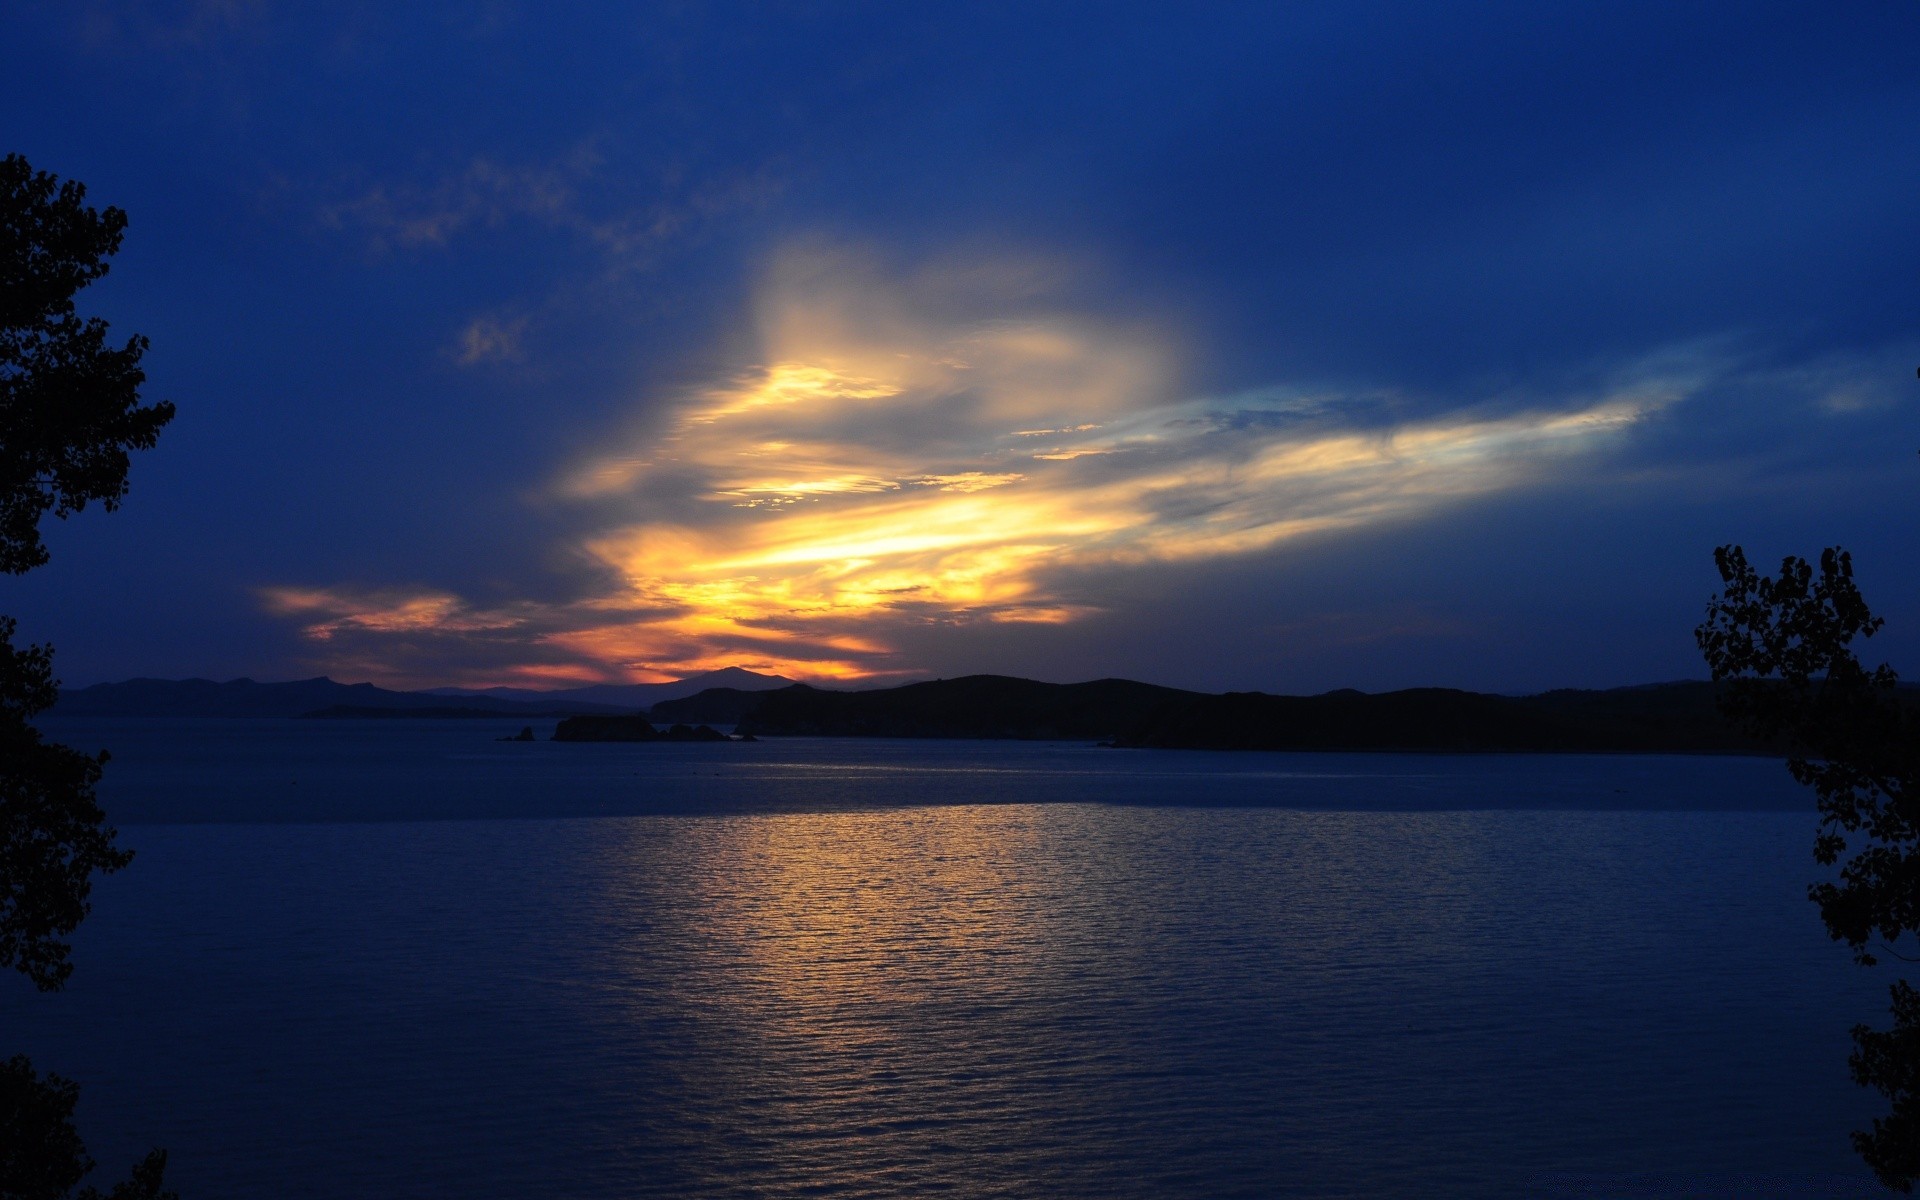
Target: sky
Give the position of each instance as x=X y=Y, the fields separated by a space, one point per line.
x=1276 y=347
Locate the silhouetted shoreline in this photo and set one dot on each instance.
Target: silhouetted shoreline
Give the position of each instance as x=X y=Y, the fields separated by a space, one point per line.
x=324 y=697
x=633 y=729
x=1672 y=718
x=1676 y=718
x=1669 y=718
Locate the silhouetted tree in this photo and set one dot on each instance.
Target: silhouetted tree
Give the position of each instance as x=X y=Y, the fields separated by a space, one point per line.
x=1784 y=647
x=42 y=1157
x=53 y=836
x=70 y=415
x=70 y=408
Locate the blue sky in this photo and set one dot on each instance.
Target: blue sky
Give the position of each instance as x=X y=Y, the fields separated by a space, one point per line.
x=1258 y=346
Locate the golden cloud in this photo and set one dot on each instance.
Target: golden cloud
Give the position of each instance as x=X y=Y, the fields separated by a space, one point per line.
x=893 y=458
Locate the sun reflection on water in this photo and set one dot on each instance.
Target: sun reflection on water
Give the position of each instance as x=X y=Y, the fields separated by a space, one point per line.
x=881 y=994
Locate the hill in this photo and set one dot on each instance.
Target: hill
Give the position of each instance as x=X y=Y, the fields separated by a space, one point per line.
x=714 y=706
x=1670 y=718
x=976 y=706
x=1665 y=718
x=1655 y=719
x=295 y=698
x=626 y=695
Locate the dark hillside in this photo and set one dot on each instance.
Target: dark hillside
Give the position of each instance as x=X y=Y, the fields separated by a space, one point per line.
x=715 y=706
x=1418 y=719
x=300 y=697
x=977 y=706
x=1679 y=718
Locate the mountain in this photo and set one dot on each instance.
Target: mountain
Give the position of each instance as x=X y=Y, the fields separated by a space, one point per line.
x=627 y=695
x=976 y=706
x=1665 y=719
x=1658 y=719
x=715 y=706
x=249 y=698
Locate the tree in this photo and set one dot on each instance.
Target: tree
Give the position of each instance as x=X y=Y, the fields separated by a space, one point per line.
x=42 y=1157
x=70 y=416
x=1784 y=647
x=70 y=408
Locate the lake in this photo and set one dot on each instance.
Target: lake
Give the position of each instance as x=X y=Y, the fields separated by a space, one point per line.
x=399 y=958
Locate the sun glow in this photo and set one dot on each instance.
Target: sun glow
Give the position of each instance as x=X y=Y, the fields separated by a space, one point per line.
x=885 y=469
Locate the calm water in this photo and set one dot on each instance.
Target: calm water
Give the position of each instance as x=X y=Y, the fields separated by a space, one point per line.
x=399 y=959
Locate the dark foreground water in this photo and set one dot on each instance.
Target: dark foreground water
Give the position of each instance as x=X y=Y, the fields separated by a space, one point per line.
x=396 y=959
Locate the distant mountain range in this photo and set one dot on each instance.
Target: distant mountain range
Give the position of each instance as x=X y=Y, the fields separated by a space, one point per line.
x=1672 y=718
x=975 y=706
x=626 y=696
x=1664 y=718
x=325 y=697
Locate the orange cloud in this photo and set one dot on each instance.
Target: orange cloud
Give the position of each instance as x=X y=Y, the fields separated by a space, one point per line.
x=879 y=468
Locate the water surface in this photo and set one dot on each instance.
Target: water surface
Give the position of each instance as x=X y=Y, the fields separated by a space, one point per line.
x=967 y=969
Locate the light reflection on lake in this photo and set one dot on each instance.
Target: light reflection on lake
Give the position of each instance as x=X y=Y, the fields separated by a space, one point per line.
x=1009 y=999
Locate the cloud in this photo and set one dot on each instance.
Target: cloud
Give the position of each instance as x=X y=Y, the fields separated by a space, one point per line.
x=623 y=228
x=149 y=28
x=903 y=451
x=484 y=194
x=328 y=613
x=1840 y=387
x=568 y=194
x=490 y=339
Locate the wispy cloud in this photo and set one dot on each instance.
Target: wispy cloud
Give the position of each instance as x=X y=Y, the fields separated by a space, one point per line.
x=568 y=194
x=1839 y=386
x=327 y=613
x=163 y=29
x=621 y=227
x=491 y=339
x=894 y=456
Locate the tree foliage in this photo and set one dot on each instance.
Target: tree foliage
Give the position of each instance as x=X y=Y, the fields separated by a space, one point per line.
x=70 y=411
x=70 y=417
x=1784 y=646
x=42 y=1156
x=53 y=836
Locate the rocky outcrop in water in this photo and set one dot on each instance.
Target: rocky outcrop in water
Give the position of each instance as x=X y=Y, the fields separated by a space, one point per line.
x=631 y=729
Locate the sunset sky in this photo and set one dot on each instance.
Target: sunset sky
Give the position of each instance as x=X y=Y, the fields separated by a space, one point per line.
x=1252 y=346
